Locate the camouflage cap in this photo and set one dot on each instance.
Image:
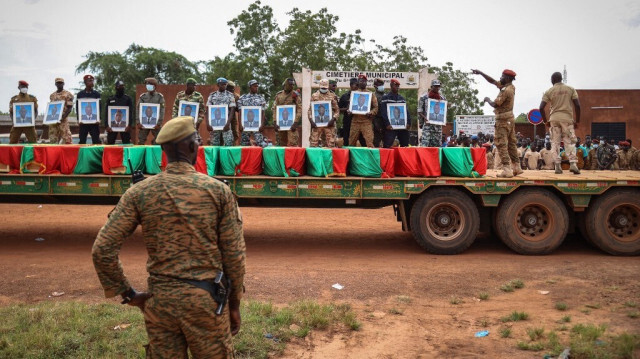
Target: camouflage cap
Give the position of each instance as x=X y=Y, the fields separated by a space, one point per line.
x=231 y=83
x=176 y=129
x=190 y=81
x=252 y=82
x=59 y=79
x=333 y=82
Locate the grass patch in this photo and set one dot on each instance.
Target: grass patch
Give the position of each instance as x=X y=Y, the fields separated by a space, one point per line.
x=515 y=316
x=633 y=315
x=512 y=285
x=404 y=299
x=585 y=311
x=507 y=288
x=535 y=333
x=593 y=306
x=565 y=319
x=80 y=330
x=530 y=346
x=630 y=304
x=395 y=311
x=563 y=328
x=561 y=306
x=483 y=322
x=517 y=284
x=456 y=300
x=483 y=296
x=505 y=332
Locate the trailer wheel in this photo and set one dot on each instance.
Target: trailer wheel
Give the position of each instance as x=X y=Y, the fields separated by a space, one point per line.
x=532 y=221
x=581 y=220
x=613 y=222
x=445 y=221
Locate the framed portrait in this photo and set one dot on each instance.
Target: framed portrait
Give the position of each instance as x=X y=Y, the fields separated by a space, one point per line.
x=23 y=114
x=187 y=108
x=89 y=112
x=437 y=112
x=251 y=118
x=149 y=113
x=118 y=117
x=286 y=116
x=53 y=114
x=218 y=116
x=321 y=113
x=360 y=102
x=397 y=114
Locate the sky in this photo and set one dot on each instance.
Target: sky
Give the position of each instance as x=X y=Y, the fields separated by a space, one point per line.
x=596 y=40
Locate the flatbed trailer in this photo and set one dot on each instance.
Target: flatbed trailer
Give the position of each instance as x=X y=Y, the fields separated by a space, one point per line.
x=531 y=213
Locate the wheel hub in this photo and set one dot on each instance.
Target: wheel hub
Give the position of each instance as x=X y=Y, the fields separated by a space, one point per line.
x=533 y=221
x=444 y=221
x=620 y=221
x=624 y=222
x=530 y=220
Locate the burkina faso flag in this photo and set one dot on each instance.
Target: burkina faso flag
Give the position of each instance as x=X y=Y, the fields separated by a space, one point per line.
x=241 y=161
x=371 y=162
x=325 y=162
x=283 y=161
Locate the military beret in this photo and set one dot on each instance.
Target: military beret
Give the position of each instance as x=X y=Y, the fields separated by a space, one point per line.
x=436 y=83
x=176 y=129
x=287 y=80
x=509 y=73
x=59 y=79
x=362 y=76
x=192 y=81
x=624 y=143
x=333 y=82
x=324 y=83
x=231 y=83
x=377 y=79
x=221 y=79
x=88 y=77
x=595 y=140
x=23 y=83
x=486 y=145
x=151 y=80
x=395 y=81
x=252 y=82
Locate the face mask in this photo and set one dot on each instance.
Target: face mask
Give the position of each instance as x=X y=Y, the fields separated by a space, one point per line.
x=120 y=92
x=150 y=87
x=324 y=90
x=595 y=146
x=24 y=90
x=380 y=88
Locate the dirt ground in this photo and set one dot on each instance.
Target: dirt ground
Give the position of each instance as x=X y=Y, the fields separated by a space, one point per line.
x=301 y=253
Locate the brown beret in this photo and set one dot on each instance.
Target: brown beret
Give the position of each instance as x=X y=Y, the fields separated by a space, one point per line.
x=151 y=80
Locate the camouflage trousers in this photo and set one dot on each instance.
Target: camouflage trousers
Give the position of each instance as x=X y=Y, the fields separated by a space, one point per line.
x=60 y=131
x=143 y=133
x=258 y=139
x=364 y=128
x=16 y=132
x=287 y=138
x=563 y=132
x=505 y=141
x=227 y=138
x=431 y=136
x=329 y=134
x=186 y=319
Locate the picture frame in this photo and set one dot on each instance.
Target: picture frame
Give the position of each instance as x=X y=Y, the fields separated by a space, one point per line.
x=118 y=118
x=435 y=113
x=218 y=116
x=23 y=114
x=150 y=121
x=285 y=122
x=251 y=112
x=92 y=117
x=188 y=108
x=54 y=111
x=358 y=107
x=397 y=115
x=321 y=113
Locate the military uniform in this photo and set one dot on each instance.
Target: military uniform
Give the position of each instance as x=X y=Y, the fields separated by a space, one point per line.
x=61 y=131
x=223 y=98
x=635 y=161
x=29 y=132
x=329 y=132
x=591 y=163
x=361 y=124
x=505 y=135
x=378 y=122
x=192 y=229
x=288 y=138
x=431 y=134
x=155 y=98
x=624 y=161
x=604 y=157
x=194 y=97
x=251 y=99
x=560 y=98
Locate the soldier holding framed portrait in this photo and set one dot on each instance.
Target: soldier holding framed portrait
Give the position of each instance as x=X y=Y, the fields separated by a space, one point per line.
x=252 y=100
x=119 y=113
x=88 y=113
x=287 y=103
x=395 y=117
x=60 y=131
x=322 y=116
x=23 y=109
x=151 y=106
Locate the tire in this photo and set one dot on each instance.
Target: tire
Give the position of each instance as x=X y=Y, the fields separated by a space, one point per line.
x=613 y=222
x=582 y=228
x=532 y=221
x=445 y=221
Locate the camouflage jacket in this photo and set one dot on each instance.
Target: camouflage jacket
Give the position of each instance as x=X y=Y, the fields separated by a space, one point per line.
x=283 y=98
x=65 y=96
x=194 y=97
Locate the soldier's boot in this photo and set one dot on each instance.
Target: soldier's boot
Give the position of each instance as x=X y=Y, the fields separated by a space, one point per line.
x=558 y=169
x=574 y=168
x=517 y=170
x=507 y=172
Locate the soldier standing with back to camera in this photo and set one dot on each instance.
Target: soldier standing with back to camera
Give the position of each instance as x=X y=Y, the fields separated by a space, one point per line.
x=192 y=229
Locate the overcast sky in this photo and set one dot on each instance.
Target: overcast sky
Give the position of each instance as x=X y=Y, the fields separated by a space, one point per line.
x=596 y=40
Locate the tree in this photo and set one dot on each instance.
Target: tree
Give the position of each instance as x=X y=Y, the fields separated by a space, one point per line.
x=522 y=118
x=462 y=99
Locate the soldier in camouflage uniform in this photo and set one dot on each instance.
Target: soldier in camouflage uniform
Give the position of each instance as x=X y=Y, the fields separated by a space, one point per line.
x=323 y=94
x=624 y=162
x=61 y=131
x=30 y=131
x=605 y=156
x=152 y=97
x=505 y=135
x=190 y=95
x=431 y=134
x=192 y=229
x=253 y=98
x=287 y=97
x=361 y=124
x=223 y=97
x=231 y=87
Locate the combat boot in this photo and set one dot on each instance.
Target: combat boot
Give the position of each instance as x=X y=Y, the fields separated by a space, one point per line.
x=517 y=170
x=507 y=172
x=558 y=169
x=574 y=168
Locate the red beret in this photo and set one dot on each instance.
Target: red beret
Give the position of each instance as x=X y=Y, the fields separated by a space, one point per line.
x=487 y=145
x=595 y=140
x=624 y=143
x=362 y=76
x=509 y=73
x=23 y=83
x=88 y=77
x=395 y=81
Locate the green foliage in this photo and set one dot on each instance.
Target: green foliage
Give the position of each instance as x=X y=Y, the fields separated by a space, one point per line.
x=505 y=332
x=515 y=316
x=456 y=87
x=522 y=118
x=483 y=296
x=561 y=306
x=535 y=333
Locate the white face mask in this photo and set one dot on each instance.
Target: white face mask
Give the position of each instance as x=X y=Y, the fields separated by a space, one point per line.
x=150 y=87
x=24 y=90
x=324 y=90
x=381 y=88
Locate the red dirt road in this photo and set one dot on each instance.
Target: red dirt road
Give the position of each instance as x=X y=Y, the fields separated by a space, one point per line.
x=300 y=253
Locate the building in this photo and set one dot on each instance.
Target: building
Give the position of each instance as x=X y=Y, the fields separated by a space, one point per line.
x=610 y=113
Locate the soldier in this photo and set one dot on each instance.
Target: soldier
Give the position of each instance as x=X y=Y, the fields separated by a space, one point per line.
x=29 y=131
x=431 y=134
x=361 y=124
x=85 y=129
x=190 y=95
x=253 y=98
x=591 y=163
x=378 y=121
x=624 y=161
x=222 y=97
x=344 y=104
x=560 y=97
x=489 y=155
x=287 y=97
x=547 y=157
x=606 y=156
x=119 y=99
x=505 y=136
x=193 y=232
x=152 y=96
x=61 y=131
x=231 y=87
x=389 y=133
x=323 y=94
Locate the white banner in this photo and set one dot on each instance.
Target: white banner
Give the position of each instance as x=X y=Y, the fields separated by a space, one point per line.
x=474 y=124
x=408 y=80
